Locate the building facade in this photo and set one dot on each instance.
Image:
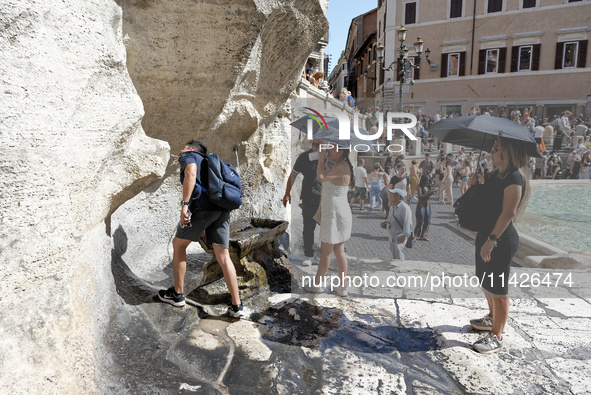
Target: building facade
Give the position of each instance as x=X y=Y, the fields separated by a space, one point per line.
x=339 y=76
x=492 y=54
x=360 y=44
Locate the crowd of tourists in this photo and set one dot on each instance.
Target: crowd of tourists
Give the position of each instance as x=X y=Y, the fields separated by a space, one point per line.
x=565 y=134
x=392 y=188
x=316 y=80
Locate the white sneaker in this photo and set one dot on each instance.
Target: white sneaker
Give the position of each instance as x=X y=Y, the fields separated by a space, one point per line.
x=340 y=291
x=307 y=262
x=313 y=289
x=239 y=311
x=482 y=324
x=488 y=344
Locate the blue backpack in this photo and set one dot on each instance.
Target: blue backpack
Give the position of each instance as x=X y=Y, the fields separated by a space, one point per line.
x=224 y=188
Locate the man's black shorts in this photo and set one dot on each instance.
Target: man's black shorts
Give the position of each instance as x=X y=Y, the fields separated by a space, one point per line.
x=216 y=225
x=360 y=193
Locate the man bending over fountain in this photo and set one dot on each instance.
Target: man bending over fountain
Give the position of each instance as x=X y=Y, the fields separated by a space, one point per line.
x=199 y=216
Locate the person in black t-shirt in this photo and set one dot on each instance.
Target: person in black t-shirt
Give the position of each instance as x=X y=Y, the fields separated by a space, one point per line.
x=306 y=164
x=506 y=194
x=400 y=181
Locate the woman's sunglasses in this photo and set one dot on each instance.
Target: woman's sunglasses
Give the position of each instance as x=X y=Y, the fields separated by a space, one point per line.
x=494 y=149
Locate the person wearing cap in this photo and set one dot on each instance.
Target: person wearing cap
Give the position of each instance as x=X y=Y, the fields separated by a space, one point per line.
x=399 y=181
x=399 y=222
x=350 y=99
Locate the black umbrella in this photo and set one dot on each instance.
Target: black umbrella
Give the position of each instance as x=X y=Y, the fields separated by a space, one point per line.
x=327 y=129
x=481 y=131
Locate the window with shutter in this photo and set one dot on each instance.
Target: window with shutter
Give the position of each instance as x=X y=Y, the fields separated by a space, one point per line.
x=453 y=64
x=416 y=72
x=455 y=8
x=570 y=54
x=558 y=56
x=443 y=65
x=514 y=58
x=481 y=61
x=502 y=59
x=535 y=61
x=495 y=6
x=492 y=61
x=410 y=13
x=524 y=62
x=582 y=60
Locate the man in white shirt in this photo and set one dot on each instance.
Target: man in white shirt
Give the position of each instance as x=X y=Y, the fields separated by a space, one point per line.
x=565 y=125
x=361 y=185
x=538 y=135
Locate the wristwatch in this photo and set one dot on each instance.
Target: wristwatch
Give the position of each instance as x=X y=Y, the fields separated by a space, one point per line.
x=183 y=203
x=493 y=239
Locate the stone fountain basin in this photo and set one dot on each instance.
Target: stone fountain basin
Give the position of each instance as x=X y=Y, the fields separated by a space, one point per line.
x=261 y=265
x=248 y=236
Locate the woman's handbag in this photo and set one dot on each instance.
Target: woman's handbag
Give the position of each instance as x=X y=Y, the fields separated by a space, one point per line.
x=318 y=215
x=410 y=240
x=468 y=209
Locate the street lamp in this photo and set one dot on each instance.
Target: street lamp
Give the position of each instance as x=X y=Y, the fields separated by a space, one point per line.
x=403 y=65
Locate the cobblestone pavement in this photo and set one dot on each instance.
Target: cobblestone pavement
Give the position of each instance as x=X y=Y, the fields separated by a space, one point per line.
x=447 y=244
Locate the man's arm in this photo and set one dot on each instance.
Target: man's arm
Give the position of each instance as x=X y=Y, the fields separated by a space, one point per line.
x=290 y=182
x=188 y=186
x=407 y=222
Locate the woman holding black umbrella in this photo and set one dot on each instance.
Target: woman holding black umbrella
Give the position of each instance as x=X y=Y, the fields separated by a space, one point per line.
x=507 y=192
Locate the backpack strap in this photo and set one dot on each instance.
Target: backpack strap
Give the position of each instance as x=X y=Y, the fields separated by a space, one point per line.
x=201 y=187
x=396 y=219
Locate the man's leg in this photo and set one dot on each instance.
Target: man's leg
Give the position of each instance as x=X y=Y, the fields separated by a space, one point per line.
x=179 y=263
x=175 y=294
x=400 y=247
x=396 y=250
x=361 y=198
x=222 y=255
x=309 y=209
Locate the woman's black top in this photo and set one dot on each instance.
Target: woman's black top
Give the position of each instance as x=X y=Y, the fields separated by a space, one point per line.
x=493 y=195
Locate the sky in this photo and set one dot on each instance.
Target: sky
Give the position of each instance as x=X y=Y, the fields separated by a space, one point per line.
x=339 y=15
